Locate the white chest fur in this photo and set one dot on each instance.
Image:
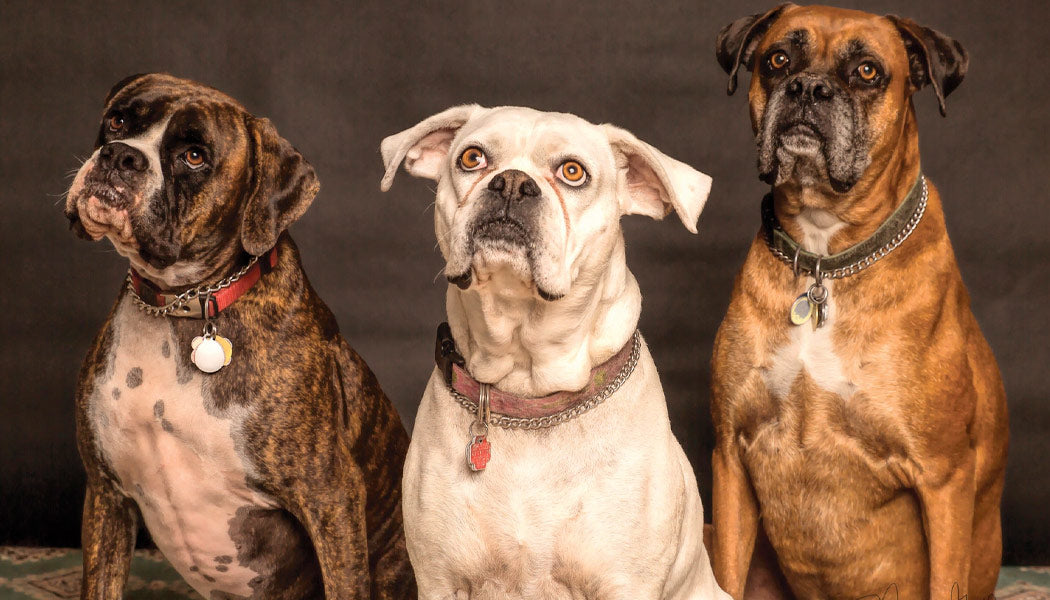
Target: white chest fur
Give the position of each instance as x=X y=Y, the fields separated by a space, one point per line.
x=605 y=505
x=811 y=351
x=174 y=452
x=808 y=350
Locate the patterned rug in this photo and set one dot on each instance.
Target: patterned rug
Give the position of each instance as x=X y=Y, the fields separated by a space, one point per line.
x=54 y=574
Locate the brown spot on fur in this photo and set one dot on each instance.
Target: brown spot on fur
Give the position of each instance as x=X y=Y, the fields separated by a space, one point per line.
x=134 y=378
x=165 y=349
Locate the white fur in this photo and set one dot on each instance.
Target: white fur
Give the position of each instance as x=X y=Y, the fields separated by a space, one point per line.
x=182 y=466
x=602 y=506
x=808 y=350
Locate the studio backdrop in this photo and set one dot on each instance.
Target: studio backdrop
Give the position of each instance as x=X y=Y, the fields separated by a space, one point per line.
x=337 y=78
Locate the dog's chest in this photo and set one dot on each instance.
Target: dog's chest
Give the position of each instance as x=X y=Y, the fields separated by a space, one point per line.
x=826 y=424
x=174 y=452
x=597 y=501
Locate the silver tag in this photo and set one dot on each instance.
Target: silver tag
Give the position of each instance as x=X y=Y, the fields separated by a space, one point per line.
x=801 y=309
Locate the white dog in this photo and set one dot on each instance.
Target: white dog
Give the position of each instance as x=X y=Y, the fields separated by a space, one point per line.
x=587 y=494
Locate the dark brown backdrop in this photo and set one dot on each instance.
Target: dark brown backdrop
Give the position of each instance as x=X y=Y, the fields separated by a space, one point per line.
x=337 y=78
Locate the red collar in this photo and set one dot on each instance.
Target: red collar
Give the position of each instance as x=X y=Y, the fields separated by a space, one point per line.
x=605 y=379
x=216 y=301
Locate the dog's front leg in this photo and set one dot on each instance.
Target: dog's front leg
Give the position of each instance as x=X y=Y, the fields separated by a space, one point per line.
x=108 y=539
x=735 y=513
x=947 y=518
x=333 y=512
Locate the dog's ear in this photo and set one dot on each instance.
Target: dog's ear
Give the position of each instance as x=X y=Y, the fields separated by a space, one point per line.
x=123 y=83
x=282 y=186
x=652 y=183
x=424 y=148
x=737 y=41
x=934 y=59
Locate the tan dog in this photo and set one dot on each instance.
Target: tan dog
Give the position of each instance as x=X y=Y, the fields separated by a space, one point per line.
x=871 y=449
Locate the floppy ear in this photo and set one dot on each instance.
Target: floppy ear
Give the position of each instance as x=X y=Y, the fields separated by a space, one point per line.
x=737 y=41
x=652 y=183
x=121 y=85
x=424 y=148
x=282 y=187
x=934 y=58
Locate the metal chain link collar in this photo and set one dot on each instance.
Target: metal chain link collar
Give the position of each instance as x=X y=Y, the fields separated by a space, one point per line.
x=508 y=422
x=182 y=299
x=774 y=233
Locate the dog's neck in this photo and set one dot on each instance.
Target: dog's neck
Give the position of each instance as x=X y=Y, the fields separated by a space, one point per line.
x=524 y=345
x=825 y=222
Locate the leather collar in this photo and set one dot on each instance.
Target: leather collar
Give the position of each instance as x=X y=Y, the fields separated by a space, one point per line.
x=216 y=301
x=845 y=263
x=510 y=407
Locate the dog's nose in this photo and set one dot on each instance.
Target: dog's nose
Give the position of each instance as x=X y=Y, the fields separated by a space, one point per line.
x=810 y=86
x=513 y=184
x=122 y=157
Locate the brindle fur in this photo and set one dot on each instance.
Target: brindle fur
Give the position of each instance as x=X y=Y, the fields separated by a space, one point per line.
x=323 y=439
x=895 y=482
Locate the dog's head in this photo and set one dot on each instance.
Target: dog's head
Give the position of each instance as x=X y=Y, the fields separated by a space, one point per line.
x=183 y=179
x=538 y=193
x=830 y=88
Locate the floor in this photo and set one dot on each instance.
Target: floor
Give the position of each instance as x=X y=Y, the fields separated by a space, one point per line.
x=54 y=574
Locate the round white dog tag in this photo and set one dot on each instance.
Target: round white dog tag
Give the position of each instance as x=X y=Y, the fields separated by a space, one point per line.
x=211 y=353
x=208 y=356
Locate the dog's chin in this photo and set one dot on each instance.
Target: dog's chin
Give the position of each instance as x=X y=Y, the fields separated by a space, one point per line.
x=491 y=255
x=799 y=158
x=97 y=215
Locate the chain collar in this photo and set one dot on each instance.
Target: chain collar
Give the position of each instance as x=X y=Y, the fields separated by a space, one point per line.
x=203 y=301
x=449 y=359
x=854 y=259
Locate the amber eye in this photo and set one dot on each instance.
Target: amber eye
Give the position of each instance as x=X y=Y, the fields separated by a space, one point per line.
x=572 y=173
x=115 y=123
x=867 y=71
x=779 y=60
x=472 y=159
x=193 y=157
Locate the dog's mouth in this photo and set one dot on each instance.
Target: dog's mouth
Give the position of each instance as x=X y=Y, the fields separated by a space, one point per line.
x=504 y=232
x=100 y=205
x=501 y=240
x=801 y=136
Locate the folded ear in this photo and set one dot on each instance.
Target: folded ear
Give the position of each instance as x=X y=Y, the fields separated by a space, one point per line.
x=934 y=58
x=123 y=83
x=737 y=41
x=424 y=148
x=281 y=188
x=652 y=183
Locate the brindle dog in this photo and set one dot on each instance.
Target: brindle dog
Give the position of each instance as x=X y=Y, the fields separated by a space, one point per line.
x=279 y=475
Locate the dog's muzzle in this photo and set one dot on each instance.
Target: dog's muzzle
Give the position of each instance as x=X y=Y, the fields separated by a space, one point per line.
x=120 y=170
x=810 y=115
x=507 y=210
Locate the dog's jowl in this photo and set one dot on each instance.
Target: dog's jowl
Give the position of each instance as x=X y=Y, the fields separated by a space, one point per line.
x=220 y=405
x=860 y=417
x=542 y=462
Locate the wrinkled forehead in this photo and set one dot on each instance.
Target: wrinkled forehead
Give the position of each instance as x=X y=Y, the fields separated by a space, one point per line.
x=188 y=108
x=517 y=130
x=835 y=33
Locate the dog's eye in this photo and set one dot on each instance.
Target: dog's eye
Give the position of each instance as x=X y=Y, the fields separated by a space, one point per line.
x=115 y=123
x=779 y=60
x=867 y=72
x=194 y=158
x=472 y=159
x=572 y=173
